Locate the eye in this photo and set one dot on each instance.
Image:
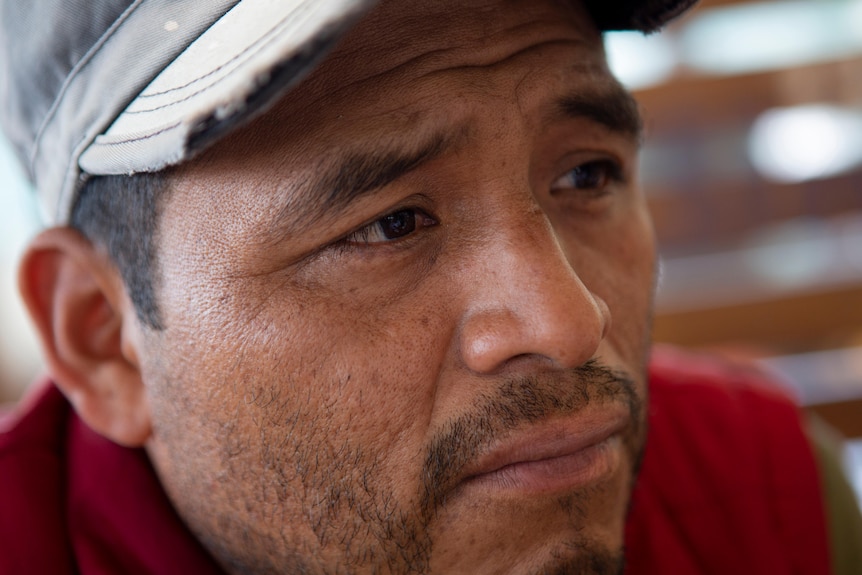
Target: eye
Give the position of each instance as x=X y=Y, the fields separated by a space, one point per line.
x=392 y=227
x=593 y=177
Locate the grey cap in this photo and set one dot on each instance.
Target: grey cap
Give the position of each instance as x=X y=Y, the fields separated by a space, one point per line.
x=98 y=87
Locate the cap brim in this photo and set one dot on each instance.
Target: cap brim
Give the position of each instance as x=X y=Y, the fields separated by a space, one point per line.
x=233 y=70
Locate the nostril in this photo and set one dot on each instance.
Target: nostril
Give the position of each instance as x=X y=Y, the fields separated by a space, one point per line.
x=604 y=314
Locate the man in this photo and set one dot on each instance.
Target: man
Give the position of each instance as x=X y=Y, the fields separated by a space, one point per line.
x=382 y=311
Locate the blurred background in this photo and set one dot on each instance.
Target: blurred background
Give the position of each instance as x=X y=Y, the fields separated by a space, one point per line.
x=753 y=169
x=19 y=220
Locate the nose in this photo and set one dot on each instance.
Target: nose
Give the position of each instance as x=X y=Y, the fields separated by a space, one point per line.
x=527 y=301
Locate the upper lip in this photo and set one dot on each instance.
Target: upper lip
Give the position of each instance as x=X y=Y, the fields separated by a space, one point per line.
x=556 y=438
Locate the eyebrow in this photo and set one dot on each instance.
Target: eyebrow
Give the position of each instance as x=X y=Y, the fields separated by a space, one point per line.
x=614 y=108
x=346 y=178
x=358 y=174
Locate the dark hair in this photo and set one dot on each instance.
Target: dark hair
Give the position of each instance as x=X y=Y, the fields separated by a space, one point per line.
x=121 y=214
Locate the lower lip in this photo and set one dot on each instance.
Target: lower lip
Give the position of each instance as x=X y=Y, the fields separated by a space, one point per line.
x=556 y=474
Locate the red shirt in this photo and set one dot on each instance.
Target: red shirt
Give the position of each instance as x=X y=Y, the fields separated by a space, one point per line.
x=728 y=485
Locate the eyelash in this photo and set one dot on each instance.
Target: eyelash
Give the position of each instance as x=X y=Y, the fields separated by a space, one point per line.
x=611 y=172
x=402 y=228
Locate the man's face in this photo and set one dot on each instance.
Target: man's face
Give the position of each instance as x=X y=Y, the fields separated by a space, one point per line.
x=407 y=310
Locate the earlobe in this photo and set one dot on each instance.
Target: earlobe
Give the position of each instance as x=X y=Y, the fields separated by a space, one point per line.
x=87 y=327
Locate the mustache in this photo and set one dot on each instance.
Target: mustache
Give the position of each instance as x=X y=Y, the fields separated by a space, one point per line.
x=517 y=402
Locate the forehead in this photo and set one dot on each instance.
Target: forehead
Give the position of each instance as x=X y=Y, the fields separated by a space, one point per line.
x=420 y=71
x=419 y=38
x=403 y=47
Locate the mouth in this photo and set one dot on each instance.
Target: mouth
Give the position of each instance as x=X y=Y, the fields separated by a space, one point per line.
x=552 y=458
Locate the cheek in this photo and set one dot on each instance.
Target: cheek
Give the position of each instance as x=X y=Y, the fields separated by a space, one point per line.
x=617 y=263
x=632 y=257
x=293 y=415
x=631 y=286
x=258 y=363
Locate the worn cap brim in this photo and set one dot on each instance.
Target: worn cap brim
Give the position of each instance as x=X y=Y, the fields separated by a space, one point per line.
x=231 y=71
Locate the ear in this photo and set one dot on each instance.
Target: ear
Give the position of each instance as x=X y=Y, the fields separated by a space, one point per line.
x=89 y=332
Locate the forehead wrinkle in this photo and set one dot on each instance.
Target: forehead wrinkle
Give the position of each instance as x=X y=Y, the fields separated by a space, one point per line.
x=480 y=41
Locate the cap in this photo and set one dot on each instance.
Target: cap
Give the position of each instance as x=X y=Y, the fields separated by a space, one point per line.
x=98 y=87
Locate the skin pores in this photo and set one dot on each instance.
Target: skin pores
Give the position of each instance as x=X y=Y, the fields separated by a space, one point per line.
x=406 y=311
